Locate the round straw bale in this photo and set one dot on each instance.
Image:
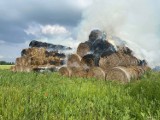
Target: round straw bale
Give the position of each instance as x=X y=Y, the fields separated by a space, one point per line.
x=133 y=60
x=18 y=61
x=74 y=60
x=23 y=61
x=125 y=50
x=53 y=60
x=96 y=34
x=118 y=74
x=102 y=47
x=88 y=61
x=38 y=60
x=65 y=71
x=24 y=52
x=96 y=72
x=129 y=60
x=83 y=49
x=78 y=72
x=34 y=52
x=124 y=74
x=106 y=63
x=117 y=59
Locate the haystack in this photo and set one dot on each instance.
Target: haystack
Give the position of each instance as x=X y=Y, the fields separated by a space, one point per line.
x=117 y=59
x=34 y=52
x=88 y=61
x=65 y=71
x=49 y=46
x=83 y=49
x=96 y=72
x=73 y=71
x=125 y=74
x=38 y=59
x=104 y=62
x=96 y=34
x=78 y=72
x=74 y=60
x=20 y=68
x=23 y=61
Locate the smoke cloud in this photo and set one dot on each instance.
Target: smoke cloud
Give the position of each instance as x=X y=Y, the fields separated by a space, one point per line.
x=134 y=21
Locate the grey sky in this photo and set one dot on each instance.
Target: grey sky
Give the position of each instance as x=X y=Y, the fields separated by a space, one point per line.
x=21 y=18
x=64 y=21
x=17 y=15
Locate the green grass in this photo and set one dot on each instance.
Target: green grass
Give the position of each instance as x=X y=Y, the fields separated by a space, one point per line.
x=5 y=67
x=49 y=96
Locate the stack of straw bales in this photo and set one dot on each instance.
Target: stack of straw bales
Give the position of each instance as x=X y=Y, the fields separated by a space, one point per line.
x=37 y=59
x=96 y=58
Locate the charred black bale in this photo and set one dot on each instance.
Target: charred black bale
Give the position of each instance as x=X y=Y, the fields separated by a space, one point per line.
x=100 y=47
x=23 y=52
x=90 y=60
x=60 y=55
x=98 y=43
x=142 y=63
x=50 y=53
x=107 y=53
x=49 y=46
x=55 y=54
x=96 y=34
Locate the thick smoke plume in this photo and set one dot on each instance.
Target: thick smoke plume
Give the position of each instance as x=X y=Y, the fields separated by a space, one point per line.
x=134 y=21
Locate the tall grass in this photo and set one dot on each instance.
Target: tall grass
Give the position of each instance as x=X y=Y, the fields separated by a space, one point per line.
x=49 y=96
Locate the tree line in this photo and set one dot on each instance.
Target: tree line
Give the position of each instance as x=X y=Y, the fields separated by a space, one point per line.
x=6 y=63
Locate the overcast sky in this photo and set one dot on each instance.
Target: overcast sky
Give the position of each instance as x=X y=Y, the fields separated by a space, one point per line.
x=47 y=20
x=63 y=21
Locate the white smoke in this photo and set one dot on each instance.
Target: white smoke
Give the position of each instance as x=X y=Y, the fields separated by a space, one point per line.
x=135 y=21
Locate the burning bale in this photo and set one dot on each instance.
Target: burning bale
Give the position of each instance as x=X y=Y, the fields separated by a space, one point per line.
x=84 y=48
x=88 y=61
x=33 y=52
x=102 y=46
x=100 y=59
x=97 y=34
x=74 y=60
x=96 y=44
x=49 y=46
x=39 y=58
x=117 y=59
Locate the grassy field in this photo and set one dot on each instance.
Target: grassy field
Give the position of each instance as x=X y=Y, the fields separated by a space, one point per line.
x=49 y=96
x=2 y=67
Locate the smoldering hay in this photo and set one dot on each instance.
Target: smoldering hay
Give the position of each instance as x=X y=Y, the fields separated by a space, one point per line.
x=40 y=57
x=136 y=22
x=102 y=61
x=127 y=23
